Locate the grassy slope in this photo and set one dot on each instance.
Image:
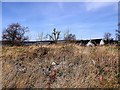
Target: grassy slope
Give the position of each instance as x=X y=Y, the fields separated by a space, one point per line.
x=77 y=67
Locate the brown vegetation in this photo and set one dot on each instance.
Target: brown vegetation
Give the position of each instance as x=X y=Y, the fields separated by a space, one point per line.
x=75 y=66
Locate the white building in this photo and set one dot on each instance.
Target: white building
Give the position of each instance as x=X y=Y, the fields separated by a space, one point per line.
x=90 y=43
x=102 y=42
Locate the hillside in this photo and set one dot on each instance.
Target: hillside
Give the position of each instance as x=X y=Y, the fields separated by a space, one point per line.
x=60 y=66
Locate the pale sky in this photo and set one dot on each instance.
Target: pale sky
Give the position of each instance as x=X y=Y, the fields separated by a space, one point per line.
x=86 y=20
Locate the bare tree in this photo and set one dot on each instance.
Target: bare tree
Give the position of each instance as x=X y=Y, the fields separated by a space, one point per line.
x=70 y=37
x=107 y=37
x=15 y=34
x=66 y=33
x=118 y=32
x=40 y=38
x=55 y=35
x=118 y=35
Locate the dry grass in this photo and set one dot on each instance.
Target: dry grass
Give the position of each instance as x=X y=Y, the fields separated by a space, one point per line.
x=77 y=67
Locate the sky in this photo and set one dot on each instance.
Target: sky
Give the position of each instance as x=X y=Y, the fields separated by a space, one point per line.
x=87 y=20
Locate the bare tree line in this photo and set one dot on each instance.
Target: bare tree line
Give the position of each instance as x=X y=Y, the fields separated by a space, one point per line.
x=15 y=35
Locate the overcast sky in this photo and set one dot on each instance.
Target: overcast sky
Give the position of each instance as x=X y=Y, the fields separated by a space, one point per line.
x=86 y=20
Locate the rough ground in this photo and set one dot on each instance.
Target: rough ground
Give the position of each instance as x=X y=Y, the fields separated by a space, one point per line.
x=60 y=66
x=0 y=68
